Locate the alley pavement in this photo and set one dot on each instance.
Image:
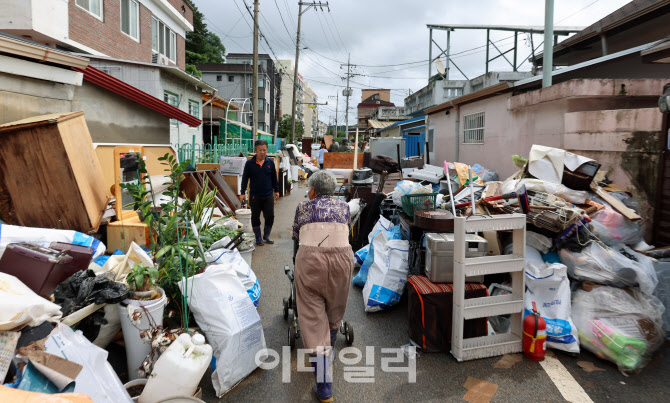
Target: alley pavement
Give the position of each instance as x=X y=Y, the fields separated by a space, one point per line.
x=439 y=377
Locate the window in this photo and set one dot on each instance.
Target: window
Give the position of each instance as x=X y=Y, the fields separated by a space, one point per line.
x=218 y=78
x=172 y=99
x=261 y=104
x=231 y=79
x=130 y=18
x=194 y=108
x=261 y=82
x=92 y=6
x=261 y=126
x=473 y=128
x=163 y=40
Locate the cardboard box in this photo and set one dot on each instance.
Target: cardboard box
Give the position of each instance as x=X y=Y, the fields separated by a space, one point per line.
x=232 y=165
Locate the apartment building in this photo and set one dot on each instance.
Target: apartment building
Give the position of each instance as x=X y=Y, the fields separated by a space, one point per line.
x=286 y=68
x=149 y=31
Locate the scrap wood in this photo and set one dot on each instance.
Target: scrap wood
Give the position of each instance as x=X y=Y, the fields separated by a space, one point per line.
x=616 y=204
x=508 y=361
x=479 y=391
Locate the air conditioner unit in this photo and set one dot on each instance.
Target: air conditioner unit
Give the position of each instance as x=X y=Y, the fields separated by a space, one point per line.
x=163 y=60
x=251 y=91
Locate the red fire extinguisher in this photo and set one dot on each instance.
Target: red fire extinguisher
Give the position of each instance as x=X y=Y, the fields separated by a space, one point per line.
x=534 y=336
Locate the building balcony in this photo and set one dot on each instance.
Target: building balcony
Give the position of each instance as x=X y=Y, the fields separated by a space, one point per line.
x=43 y=21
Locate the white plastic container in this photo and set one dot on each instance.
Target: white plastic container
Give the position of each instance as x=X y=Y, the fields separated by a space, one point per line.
x=246 y=255
x=294 y=172
x=136 y=348
x=179 y=369
x=244 y=217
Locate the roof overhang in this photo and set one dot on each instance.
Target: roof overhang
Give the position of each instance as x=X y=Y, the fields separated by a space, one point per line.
x=603 y=59
x=475 y=96
x=104 y=80
x=172 y=70
x=657 y=53
x=41 y=53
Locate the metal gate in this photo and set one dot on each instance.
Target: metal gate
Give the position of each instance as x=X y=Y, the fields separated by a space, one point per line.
x=414 y=142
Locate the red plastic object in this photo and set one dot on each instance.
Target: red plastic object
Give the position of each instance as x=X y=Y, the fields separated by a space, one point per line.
x=534 y=336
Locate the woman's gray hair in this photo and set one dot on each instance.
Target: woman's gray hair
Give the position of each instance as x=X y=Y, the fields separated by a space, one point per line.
x=323 y=182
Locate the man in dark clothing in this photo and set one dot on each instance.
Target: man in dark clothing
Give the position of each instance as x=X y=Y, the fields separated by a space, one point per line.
x=261 y=174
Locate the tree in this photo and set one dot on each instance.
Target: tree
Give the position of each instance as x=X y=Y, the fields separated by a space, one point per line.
x=285 y=127
x=202 y=46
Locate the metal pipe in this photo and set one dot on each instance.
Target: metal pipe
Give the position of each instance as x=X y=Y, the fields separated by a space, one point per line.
x=488 y=32
x=430 y=53
x=548 y=57
x=456 y=134
x=446 y=74
x=515 y=49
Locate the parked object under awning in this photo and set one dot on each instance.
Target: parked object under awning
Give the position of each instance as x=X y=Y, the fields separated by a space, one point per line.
x=117 y=86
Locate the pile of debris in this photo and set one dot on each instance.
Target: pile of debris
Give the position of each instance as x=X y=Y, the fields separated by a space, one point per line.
x=595 y=281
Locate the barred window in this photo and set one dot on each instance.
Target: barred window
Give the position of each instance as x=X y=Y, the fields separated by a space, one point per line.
x=473 y=128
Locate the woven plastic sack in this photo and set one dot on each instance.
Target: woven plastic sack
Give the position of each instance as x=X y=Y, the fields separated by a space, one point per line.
x=662 y=292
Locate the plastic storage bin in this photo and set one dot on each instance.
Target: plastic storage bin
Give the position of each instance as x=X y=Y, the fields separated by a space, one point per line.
x=420 y=201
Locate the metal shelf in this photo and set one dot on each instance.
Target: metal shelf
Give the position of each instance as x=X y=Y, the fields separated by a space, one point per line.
x=487 y=346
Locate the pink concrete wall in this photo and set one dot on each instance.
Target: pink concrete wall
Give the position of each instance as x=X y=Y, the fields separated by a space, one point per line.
x=506 y=132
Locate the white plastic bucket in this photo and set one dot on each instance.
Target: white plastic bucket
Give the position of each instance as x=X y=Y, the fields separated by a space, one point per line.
x=136 y=348
x=294 y=172
x=244 y=217
x=246 y=255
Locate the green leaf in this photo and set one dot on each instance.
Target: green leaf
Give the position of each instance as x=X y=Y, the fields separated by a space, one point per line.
x=163 y=251
x=139 y=280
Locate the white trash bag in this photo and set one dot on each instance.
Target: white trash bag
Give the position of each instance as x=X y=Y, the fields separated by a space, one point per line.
x=548 y=286
x=20 y=306
x=97 y=378
x=244 y=272
x=223 y=310
x=387 y=276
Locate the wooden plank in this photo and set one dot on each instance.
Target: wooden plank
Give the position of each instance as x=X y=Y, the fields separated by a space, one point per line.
x=341 y=160
x=616 y=204
x=39 y=175
x=234 y=181
x=228 y=194
x=120 y=234
x=207 y=167
x=85 y=166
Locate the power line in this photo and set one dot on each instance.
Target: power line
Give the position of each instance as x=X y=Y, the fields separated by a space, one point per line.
x=283 y=22
x=577 y=12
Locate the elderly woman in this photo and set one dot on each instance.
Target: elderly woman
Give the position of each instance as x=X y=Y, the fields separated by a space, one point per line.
x=323 y=269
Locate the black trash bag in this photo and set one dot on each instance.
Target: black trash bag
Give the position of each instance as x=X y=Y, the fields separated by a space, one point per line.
x=84 y=288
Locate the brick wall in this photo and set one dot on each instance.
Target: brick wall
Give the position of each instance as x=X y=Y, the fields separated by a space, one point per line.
x=106 y=36
x=187 y=12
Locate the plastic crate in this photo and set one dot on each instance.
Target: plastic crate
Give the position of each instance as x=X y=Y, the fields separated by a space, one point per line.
x=420 y=201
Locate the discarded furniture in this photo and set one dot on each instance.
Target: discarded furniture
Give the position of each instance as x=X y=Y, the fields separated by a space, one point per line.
x=50 y=176
x=341 y=160
x=499 y=344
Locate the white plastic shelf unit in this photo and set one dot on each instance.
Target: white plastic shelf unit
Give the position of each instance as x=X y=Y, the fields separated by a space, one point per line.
x=513 y=304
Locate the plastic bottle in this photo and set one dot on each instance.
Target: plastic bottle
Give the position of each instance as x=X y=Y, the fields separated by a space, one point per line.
x=178 y=370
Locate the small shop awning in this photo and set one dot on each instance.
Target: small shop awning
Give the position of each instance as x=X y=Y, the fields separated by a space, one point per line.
x=126 y=90
x=379 y=124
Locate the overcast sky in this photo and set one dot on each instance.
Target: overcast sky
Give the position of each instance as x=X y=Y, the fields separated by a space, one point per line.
x=381 y=33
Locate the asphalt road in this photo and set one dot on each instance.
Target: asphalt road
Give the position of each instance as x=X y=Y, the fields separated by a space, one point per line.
x=439 y=377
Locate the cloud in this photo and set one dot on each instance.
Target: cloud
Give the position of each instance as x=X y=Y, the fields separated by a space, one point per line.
x=387 y=32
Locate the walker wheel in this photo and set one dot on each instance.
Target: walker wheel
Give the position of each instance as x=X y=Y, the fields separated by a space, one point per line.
x=291 y=337
x=285 y=308
x=348 y=334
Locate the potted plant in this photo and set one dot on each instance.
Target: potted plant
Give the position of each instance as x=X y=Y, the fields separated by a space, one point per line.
x=141 y=316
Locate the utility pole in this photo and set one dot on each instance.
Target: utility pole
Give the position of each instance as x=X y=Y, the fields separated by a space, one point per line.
x=297 y=55
x=347 y=93
x=254 y=81
x=337 y=103
x=548 y=56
